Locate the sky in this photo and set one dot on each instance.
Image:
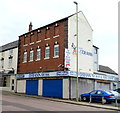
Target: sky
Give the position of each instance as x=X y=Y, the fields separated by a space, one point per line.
x=101 y=14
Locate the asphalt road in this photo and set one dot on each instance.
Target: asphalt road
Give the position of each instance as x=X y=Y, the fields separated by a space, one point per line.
x=21 y=103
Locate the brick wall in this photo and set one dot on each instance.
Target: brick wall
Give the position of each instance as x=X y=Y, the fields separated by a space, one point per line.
x=50 y=34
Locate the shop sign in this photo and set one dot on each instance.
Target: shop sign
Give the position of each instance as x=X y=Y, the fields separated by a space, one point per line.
x=43 y=74
x=94 y=76
x=67 y=58
x=67 y=73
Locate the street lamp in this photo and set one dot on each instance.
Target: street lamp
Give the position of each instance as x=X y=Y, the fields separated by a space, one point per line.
x=77 y=49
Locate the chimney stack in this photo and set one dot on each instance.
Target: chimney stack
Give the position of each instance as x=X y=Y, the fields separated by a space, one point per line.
x=30 y=26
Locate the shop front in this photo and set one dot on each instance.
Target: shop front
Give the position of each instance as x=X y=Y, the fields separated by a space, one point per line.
x=61 y=84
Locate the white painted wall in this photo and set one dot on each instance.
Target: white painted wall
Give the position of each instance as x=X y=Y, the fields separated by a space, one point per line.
x=85 y=34
x=66 y=88
x=14 y=60
x=40 y=83
x=21 y=86
x=12 y=77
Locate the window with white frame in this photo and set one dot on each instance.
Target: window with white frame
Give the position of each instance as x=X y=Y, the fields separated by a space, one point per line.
x=56 y=50
x=10 y=51
x=31 y=55
x=38 y=53
x=25 y=57
x=47 y=52
x=10 y=63
x=0 y=63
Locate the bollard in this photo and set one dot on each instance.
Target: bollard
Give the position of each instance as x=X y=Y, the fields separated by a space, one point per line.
x=90 y=99
x=116 y=103
x=103 y=100
x=80 y=98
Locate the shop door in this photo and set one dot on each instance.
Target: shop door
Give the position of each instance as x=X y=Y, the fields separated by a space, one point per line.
x=53 y=88
x=32 y=87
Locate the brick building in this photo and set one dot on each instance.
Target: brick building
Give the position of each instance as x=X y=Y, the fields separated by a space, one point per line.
x=46 y=44
x=47 y=60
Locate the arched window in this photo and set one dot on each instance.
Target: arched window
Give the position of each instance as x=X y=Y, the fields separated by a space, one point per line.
x=56 y=50
x=38 y=53
x=25 y=56
x=31 y=55
x=47 y=52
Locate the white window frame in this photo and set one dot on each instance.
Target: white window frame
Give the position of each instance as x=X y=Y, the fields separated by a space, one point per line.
x=56 y=51
x=31 y=55
x=25 y=56
x=11 y=52
x=10 y=63
x=1 y=64
x=47 y=52
x=38 y=54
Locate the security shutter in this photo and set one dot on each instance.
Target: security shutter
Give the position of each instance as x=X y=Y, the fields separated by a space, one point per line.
x=103 y=86
x=53 y=88
x=32 y=87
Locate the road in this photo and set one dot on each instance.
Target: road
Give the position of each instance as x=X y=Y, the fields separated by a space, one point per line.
x=12 y=102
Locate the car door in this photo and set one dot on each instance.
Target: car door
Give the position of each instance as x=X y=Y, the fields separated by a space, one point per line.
x=93 y=95
x=99 y=95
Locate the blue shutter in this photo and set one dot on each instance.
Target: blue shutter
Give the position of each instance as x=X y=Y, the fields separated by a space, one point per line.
x=32 y=87
x=53 y=88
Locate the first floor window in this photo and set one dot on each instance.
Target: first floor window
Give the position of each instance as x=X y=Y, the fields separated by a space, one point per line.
x=31 y=55
x=10 y=51
x=10 y=63
x=1 y=63
x=56 y=50
x=47 y=52
x=38 y=53
x=25 y=57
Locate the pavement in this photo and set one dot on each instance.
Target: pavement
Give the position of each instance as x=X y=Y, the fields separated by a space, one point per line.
x=96 y=105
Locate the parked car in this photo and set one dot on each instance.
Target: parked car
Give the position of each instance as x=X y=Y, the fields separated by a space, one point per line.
x=118 y=90
x=97 y=95
x=116 y=94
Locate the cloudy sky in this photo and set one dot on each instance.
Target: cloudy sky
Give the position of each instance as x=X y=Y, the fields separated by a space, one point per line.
x=101 y=14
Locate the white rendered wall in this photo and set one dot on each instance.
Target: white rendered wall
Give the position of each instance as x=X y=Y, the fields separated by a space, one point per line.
x=14 y=60
x=40 y=83
x=85 y=34
x=66 y=88
x=21 y=86
x=12 y=77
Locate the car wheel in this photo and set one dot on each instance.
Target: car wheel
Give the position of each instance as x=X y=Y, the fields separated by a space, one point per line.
x=84 y=98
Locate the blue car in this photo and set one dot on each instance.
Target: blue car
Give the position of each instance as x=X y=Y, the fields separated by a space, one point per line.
x=98 y=95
